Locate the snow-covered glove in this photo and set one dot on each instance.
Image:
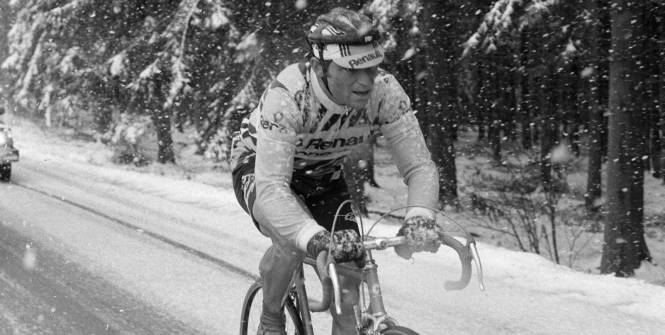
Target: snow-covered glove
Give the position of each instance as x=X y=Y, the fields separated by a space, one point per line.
x=421 y=235
x=347 y=246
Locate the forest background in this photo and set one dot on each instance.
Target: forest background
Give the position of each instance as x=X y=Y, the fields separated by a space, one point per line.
x=545 y=87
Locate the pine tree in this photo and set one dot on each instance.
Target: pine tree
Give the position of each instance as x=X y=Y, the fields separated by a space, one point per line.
x=625 y=247
x=596 y=120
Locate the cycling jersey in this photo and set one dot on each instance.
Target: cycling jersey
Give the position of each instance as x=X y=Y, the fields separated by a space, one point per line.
x=298 y=131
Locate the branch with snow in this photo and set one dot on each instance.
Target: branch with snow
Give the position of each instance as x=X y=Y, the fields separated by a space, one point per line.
x=219 y=16
x=503 y=19
x=179 y=75
x=176 y=39
x=384 y=11
x=31 y=72
x=118 y=64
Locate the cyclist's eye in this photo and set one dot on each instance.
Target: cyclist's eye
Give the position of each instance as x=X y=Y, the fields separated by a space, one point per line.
x=369 y=70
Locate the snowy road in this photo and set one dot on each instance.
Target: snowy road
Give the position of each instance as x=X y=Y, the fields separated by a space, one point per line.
x=160 y=252
x=59 y=297
x=121 y=252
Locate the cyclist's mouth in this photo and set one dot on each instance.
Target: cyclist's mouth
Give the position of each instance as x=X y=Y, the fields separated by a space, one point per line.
x=362 y=93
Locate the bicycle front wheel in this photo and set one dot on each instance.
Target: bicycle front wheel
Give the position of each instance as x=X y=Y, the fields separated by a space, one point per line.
x=251 y=313
x=398 y=330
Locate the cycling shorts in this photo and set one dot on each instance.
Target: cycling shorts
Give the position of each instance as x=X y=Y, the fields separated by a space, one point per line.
x=322 y=196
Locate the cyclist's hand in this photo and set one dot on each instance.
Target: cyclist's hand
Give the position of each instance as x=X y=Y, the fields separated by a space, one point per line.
x=347 y=246
x=421 y=235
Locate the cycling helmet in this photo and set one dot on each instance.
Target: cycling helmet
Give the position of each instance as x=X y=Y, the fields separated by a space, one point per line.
x=347 y=38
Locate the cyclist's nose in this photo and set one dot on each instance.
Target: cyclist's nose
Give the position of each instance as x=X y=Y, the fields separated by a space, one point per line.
x=365 y=77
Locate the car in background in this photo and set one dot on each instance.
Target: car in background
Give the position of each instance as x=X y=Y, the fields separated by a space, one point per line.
x=8 y=154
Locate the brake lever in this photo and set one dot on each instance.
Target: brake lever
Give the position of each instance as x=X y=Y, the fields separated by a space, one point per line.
x=332 y=272
x=479 y=265
x=327 y=270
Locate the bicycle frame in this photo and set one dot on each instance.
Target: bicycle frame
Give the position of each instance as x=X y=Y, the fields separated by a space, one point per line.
x=374 y=315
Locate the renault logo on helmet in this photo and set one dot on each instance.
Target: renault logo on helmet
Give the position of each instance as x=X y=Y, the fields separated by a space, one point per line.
x=364 y=59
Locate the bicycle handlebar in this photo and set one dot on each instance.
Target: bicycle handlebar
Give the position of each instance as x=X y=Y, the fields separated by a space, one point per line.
x=465 y=257
x=463 y=251
x=326 y=268
x=326 y=282
x=380 y=243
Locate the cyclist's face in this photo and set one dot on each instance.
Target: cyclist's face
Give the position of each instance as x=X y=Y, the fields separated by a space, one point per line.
x=351 y=87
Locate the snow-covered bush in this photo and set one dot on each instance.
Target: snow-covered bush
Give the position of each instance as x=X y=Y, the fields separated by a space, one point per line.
x=132 y=139
x=513 y=202
x=219 y=147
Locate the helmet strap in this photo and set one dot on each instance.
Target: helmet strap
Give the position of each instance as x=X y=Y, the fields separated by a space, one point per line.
x=323 y=67
x=322 y=62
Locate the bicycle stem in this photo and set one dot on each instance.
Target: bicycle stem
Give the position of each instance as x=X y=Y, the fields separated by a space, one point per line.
x=370 y=273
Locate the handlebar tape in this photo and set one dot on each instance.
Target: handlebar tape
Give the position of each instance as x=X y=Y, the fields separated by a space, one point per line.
x=326 y=284
x=464 y=256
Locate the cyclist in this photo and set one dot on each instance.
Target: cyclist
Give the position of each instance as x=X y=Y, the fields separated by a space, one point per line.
x=287 y=158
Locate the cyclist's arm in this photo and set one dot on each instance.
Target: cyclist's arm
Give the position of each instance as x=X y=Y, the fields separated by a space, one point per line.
x=399 y=126
x=276 y=137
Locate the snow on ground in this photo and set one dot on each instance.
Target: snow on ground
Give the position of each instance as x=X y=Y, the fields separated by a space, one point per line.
x=531 y=272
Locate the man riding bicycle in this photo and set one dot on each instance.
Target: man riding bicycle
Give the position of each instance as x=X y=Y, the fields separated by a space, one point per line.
x=287 y=158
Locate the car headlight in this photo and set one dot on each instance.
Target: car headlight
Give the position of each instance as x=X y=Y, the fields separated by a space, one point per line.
x=4 y=138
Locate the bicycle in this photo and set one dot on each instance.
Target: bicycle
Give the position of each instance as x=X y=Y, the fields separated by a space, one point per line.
x=371 y=316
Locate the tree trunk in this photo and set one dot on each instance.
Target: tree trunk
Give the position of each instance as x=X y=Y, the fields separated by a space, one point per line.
x=656 y=147
x=441 y=98
x=547 y=132
x=651 y=91
x=527 y=114
x=660 y=129
x=522 y=95
x=594 y=170
x=447 y=168
x=494 y=106
x=161 y=118
x=625 y=247
x=547 y=141
x=481 y=131
x=494 y=139
x=162 y=122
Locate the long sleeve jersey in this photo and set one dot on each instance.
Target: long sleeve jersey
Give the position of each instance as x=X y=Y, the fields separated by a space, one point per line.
x=297 y=130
